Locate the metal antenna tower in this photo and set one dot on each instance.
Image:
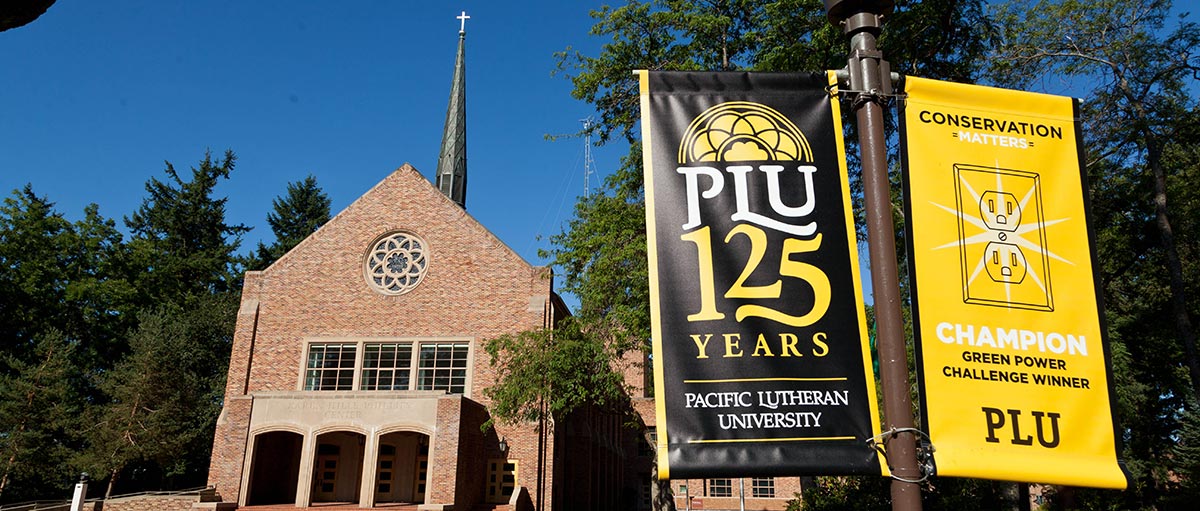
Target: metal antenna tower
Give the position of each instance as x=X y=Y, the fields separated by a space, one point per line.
x=587 y=156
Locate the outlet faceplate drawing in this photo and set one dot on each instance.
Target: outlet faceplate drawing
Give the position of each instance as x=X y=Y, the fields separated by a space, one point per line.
x=1000 y=211
x=1002 y=238
x=1005 y=262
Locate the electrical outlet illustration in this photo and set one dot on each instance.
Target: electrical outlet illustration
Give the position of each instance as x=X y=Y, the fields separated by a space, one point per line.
x=1002 y=238
x=1005 y=262
x=1000 y=211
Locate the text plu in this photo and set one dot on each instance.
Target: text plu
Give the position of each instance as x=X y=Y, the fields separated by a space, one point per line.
x=997 y=419
x=740 y=190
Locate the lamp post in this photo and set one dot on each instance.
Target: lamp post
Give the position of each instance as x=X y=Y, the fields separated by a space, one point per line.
x=870 y=79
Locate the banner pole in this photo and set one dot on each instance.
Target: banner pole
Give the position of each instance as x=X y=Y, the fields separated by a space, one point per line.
x=861 y=20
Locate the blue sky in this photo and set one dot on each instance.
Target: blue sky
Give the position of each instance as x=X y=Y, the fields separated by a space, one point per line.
x=94 y=96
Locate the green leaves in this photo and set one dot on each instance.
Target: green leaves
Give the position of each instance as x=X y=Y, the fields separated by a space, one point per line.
x=38 y=410
x=603 y=257
x=74 y=343
x=546 y=374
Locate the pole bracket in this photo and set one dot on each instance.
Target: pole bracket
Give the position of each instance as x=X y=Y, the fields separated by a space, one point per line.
x=924 y=452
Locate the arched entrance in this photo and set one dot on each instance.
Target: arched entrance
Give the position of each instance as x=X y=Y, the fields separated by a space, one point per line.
x=337 y=467
x=402 y=468
x=275 y=469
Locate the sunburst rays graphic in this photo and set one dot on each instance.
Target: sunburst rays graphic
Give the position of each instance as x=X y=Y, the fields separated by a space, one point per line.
x=1018 y=240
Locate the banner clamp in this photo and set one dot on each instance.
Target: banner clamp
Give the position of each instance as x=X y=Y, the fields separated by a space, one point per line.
x=863 y=96
x=924 y=452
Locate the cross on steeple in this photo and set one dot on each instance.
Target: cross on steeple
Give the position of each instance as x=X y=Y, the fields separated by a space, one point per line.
x=462 y=28
x=452 y=159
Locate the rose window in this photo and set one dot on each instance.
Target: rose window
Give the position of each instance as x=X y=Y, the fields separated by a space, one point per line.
x=396 y=263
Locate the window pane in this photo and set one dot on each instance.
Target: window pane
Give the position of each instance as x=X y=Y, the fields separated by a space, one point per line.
x=443 y=367
x=330 y=366
x=720 y=487
x=764 y=487
x=393 y=360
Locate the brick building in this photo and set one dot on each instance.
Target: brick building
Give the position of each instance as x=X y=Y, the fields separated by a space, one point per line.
x=357 y=369
x=357 y=373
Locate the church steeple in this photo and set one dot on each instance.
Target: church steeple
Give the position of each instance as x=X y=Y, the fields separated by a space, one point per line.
x=452 y=161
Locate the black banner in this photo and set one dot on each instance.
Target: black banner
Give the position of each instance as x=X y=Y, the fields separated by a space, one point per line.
x=760 y=345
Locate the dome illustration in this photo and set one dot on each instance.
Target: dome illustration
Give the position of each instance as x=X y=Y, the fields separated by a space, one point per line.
x=743 y=131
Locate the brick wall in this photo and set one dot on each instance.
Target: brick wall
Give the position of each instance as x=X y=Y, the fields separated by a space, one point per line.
x=475 y=288
x=229 y=447
x=785 y=490
x=151 y=503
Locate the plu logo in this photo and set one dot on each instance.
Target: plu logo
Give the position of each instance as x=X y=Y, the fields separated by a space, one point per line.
x=743 y=131
x=716 y=156
x=1005 y=261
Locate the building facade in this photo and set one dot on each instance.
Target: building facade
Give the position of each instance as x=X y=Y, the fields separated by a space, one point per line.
x=357 y=369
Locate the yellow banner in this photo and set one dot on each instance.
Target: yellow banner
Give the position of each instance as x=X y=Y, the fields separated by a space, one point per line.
x=1012 y=353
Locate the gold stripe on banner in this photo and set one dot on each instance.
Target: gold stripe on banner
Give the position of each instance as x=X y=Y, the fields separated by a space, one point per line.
x=757 y=440
x=1012 y=352
x=660 y=409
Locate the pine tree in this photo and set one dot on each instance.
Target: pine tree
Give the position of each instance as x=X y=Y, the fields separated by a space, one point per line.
x=163 y=399
x=180 y=241
x=38 y=411
x=295 y=216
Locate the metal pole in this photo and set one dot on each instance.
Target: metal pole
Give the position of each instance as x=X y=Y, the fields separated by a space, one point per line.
x=741 y=494
x=862 y=20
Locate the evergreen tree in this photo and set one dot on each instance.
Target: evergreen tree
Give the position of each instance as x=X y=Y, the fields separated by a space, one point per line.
x=164 y=397
x=295 y=216
x=181 y=243
x=33 y=256
x=63 y=298
x=38 y=413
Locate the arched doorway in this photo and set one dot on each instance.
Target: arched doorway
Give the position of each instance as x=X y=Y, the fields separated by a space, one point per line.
x=402 y=467
x=275 y=469
x=337 y=467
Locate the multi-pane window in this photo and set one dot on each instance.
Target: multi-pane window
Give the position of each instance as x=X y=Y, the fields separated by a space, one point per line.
x=720 y=487
x=442 y=366
x=330 y=367
x=386 y=366
x=763 y=487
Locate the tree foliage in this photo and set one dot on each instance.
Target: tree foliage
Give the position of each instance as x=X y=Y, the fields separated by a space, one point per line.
x=58 y=275
x=602 y=254
x=38 y=412
x=181 y=242
x=1134 y=65
x=164 y=397
x=301 y=212
x=548 y=374
x=114 y=350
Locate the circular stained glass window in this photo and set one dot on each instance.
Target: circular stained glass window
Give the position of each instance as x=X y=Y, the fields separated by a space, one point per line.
x=396 y=263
